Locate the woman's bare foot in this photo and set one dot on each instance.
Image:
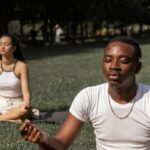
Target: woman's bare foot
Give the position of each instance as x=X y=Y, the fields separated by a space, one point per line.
x=2 y=118
x=18 y=121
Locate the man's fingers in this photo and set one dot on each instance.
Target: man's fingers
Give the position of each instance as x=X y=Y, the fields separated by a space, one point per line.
x=24 y=126
x=36 y=139
x=30 y=132
x=34 y=132
x=33 y=136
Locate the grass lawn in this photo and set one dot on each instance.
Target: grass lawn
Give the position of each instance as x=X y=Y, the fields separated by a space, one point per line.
x=57 y=74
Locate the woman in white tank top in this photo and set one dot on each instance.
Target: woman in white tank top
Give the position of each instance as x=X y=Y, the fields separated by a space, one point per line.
x=14 y=86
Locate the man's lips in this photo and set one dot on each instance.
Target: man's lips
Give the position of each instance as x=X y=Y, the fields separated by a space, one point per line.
x=114 y=76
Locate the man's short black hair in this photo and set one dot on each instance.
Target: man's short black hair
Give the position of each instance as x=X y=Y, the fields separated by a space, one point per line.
x=131 y=41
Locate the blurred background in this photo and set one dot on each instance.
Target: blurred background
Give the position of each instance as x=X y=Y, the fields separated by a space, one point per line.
x=80 y=21
x=62 y=42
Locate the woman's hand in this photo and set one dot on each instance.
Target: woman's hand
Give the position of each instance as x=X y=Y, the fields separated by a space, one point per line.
x=26 y=105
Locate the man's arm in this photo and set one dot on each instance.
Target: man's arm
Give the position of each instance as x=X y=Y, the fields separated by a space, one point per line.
x=51 y=144
x=60 y=141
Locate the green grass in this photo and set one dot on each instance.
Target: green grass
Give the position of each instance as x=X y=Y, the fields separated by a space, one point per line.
x=59 y=78
x=57 y=74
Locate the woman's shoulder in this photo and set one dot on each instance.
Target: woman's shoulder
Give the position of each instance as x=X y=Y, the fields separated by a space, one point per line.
x=20 y=66
x=20 y=63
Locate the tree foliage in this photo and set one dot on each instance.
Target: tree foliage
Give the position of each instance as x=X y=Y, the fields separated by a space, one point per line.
x=78 y=11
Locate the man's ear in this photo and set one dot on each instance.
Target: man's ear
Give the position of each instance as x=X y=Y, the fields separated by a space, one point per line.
x=139 y=66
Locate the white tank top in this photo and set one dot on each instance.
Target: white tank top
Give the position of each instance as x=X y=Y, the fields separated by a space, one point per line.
x=10 y=84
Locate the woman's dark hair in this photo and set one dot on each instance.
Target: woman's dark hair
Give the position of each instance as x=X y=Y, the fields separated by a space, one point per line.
x=15 y=42
x=131 y=41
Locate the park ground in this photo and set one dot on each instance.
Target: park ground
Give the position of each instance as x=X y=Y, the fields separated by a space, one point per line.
x=57 y=73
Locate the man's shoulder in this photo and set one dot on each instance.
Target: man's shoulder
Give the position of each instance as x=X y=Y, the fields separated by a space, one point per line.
x=98 y=87
x=144 y=86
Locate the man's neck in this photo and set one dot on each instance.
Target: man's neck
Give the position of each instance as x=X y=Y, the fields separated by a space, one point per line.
x=123 y=95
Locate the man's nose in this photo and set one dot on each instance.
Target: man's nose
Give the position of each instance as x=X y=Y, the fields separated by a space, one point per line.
x=115 y=65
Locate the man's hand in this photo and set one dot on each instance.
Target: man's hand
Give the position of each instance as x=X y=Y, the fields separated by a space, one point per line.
x=32 y=133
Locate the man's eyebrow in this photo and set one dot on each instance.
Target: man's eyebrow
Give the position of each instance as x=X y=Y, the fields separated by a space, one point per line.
x=109 y=55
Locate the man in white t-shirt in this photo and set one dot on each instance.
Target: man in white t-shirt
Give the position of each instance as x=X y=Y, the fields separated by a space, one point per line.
x=118 y=110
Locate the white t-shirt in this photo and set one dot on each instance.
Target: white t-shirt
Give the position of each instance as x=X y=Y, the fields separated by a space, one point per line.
x=112 y=133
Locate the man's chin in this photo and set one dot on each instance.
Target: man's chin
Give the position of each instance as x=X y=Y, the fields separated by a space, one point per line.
x=114 y=83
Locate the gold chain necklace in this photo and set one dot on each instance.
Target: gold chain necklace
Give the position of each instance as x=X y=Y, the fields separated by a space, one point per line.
x=116 y=113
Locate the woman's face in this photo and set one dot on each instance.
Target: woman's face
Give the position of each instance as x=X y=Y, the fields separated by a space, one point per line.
x=120 y=64
x=6 y=46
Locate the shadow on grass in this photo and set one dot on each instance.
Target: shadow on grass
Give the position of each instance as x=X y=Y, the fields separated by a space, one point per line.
x=56 y=109
x=39 y=52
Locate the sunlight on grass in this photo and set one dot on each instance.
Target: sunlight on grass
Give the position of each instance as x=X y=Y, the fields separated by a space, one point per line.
x=56 y=76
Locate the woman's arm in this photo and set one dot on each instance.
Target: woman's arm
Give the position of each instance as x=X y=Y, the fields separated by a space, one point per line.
x=24 y=77
x=60 y=141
